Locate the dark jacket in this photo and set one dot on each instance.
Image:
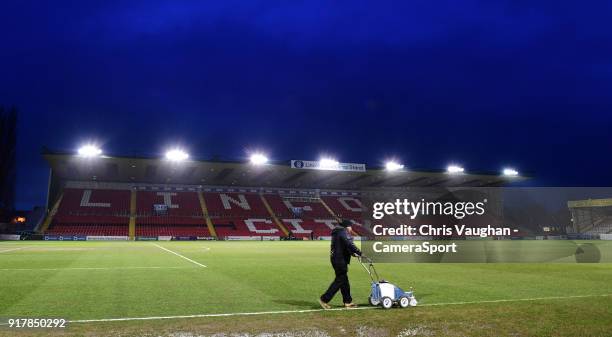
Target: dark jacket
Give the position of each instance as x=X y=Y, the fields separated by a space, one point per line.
x=342 y=247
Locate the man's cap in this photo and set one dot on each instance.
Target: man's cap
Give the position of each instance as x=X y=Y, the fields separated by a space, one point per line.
x=345 y=223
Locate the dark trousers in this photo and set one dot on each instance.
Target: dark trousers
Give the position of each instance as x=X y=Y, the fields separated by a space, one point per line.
x=341 y=282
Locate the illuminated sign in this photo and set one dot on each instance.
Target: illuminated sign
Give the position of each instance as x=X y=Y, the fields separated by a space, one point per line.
x=316 y=165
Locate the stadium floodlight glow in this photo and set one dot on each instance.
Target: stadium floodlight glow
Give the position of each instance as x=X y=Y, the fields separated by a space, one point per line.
x=89 y=151
x=328 y=164
x=510 y=172
x=258 y=159
x=454 y=169
x=393 y=166
x=177 y=155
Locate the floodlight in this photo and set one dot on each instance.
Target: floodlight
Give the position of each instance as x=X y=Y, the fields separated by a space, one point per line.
x=510 y=172
x=454 y=169
x=393 y=166
x=258 y=159
x=176 y=155
x=89 y=151
x=328 y=163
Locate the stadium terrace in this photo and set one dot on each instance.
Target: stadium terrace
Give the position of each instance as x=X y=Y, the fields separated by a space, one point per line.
x=93 y=196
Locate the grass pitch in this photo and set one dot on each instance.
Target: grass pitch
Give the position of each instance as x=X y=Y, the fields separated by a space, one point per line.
x=116 y=280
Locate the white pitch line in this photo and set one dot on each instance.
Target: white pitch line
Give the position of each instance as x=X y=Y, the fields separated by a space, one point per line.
x=319 y=310
x=179 y=255
x=515 y=300
x=91 y=268
x=10 y=250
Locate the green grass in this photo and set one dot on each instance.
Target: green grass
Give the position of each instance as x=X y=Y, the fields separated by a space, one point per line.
x=47 y=279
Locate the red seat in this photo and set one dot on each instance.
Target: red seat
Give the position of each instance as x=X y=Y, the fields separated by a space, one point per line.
x=246 y=227
x=183 y=216
x=349 y=207
x=177 y=230
x=88 y=229
x=235 y=205
x=282 y=207
x=92 y=212
x=83 y=202
x=179 y=204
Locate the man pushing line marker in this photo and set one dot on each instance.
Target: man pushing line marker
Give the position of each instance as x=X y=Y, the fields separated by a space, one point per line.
x=342 y=248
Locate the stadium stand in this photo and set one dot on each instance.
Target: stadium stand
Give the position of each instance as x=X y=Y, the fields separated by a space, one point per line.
x=92 y=212
x=83 y=202
x=601 y=226
x=284 y=207
x=304 y=217
x=238 y=227
x=344 y=206
x=174 y=230
x=240 y=215
x=179 y=204
x=88 y=229
x=302 y=228
x=247 y=205
x=179 y=213
x=591 y=216
x=169 y=213
x=152 y=196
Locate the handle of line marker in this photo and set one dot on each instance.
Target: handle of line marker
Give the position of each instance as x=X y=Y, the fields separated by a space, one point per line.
x=372 y=268
x=363 y=258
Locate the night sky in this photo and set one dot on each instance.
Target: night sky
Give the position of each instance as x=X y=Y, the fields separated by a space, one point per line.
x=481 y=83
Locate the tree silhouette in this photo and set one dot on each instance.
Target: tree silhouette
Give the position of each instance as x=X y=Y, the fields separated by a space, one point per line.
x=8 y=171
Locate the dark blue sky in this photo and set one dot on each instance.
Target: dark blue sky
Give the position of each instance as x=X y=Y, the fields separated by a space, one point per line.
x=482 y=83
